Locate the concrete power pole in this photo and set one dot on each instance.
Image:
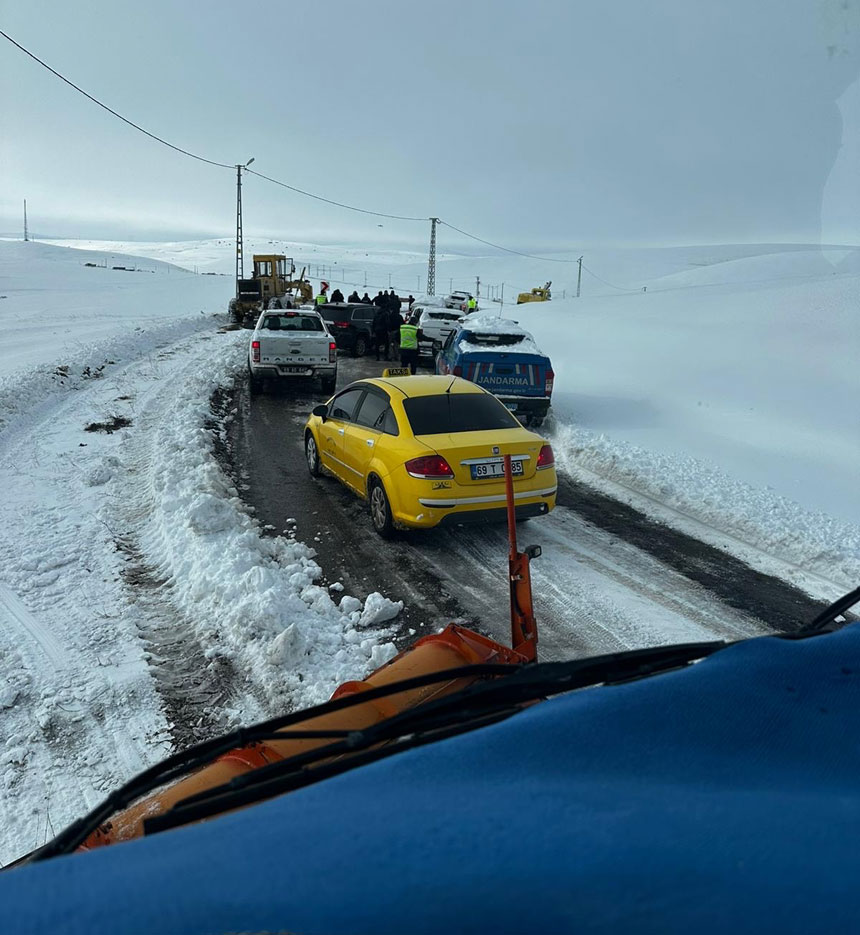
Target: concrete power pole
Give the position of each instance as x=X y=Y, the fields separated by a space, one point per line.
x=477 y=287
x=431 y=262
x=240 y=259
x=26 y=233
x=240 y=262
x=579 y=277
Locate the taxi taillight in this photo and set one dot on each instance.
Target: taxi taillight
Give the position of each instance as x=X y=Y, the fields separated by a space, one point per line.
x=255 y=351
x=429 y=466
x=546 y=458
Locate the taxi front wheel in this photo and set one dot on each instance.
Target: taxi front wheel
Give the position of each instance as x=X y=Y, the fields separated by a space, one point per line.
x=380 y=510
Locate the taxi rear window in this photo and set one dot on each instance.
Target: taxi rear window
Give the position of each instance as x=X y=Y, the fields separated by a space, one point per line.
x=457 y=412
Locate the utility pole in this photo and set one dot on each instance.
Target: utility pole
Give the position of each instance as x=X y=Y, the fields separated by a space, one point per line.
x=431 y=262
x=26 y=234
x=477 y=287
x=240 y=259
x=579 y=277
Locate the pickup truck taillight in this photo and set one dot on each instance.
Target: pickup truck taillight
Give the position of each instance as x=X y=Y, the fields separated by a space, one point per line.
x=429 y=466
x=255 y=351
x=332 y=352
x=550 y=379
x=546 y=458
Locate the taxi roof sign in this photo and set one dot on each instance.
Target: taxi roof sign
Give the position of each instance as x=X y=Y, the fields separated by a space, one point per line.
x=397 y=372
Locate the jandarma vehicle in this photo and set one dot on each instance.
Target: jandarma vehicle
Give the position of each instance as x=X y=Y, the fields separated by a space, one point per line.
x=425 y=450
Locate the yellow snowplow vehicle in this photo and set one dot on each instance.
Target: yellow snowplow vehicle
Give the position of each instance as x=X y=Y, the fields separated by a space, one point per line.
x=273 y=279
x=538 y=294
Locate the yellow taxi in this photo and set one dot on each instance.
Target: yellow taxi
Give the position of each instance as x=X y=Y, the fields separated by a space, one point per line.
x=429 y=450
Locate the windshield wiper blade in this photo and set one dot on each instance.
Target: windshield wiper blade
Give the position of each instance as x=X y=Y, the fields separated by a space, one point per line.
x=472 y=707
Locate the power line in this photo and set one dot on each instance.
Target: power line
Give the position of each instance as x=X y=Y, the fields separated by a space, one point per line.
x=293 y=188
x=131 y=123
x=610 y=284
x=339 y=204
x=531 y=256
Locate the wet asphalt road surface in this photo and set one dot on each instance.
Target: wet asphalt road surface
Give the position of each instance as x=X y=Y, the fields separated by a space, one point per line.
x=609 y=578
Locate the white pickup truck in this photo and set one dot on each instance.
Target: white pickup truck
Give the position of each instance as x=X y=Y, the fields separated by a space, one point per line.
x=290 y=345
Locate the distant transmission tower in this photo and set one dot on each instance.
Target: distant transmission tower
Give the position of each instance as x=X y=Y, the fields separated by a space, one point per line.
x=26 y=233
x=431 y=263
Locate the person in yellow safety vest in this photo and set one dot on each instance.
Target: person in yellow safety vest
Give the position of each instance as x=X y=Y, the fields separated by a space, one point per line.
x=321 y=299
x=471 y=304
x=409 y=337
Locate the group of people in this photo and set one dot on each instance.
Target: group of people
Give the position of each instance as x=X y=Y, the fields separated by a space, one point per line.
x=393 y=336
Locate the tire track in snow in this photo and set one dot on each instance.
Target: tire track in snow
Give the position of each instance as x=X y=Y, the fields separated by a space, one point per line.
x=193 y=690
x=31 y=628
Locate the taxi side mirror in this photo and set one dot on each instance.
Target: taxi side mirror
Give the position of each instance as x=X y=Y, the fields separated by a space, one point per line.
x=321 y=411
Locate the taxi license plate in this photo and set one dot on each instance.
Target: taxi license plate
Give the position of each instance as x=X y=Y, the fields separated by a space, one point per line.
x=495 y=469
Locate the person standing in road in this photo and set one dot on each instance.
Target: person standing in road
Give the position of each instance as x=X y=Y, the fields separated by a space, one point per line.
x=354 y=296
x=394 y=323
x=380 y=332
x=379 y=301
x=409 y=337
x=337 y=296
x=471 y=304
x=366 y=299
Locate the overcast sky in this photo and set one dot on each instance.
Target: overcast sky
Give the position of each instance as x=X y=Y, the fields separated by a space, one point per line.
x=539 y=124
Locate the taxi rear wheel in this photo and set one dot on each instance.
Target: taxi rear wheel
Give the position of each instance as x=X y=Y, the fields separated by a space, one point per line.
x=380 y=509
x=312 y=455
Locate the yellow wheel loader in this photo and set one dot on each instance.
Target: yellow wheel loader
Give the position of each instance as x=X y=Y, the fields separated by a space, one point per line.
x=538 y=294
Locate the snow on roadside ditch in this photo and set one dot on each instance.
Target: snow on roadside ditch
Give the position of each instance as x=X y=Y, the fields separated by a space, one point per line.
x=110 y=540
x=252 y=599
x=816 y=552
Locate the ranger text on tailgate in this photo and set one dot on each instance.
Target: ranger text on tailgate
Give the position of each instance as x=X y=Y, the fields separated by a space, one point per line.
x=501 y=357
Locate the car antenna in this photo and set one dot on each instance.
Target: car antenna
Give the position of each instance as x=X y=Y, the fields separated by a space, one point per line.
x=450 y=384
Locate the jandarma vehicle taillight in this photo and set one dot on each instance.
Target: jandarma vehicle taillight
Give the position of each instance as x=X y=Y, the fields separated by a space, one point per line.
x=550 y=379
x=429 y=466
x=255 y=351
x=332 y=352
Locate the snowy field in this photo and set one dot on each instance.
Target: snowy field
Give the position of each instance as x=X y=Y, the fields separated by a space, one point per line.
x=723 y=400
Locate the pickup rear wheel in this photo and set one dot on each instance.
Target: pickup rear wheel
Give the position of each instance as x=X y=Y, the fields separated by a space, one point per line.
x=359 y=349
x=312 y=455
x=328 y=384
x=255 y=384
x=380 y=509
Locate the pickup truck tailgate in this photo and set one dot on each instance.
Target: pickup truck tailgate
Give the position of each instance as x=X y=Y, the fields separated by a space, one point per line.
x=298 y=348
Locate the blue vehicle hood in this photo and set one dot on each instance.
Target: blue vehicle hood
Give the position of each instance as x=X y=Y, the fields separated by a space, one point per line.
x=723 y=797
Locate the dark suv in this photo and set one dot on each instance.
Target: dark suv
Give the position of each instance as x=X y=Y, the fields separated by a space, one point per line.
x=351 y=324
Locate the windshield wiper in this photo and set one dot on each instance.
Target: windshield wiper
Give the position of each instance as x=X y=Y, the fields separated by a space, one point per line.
x=475 y=706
